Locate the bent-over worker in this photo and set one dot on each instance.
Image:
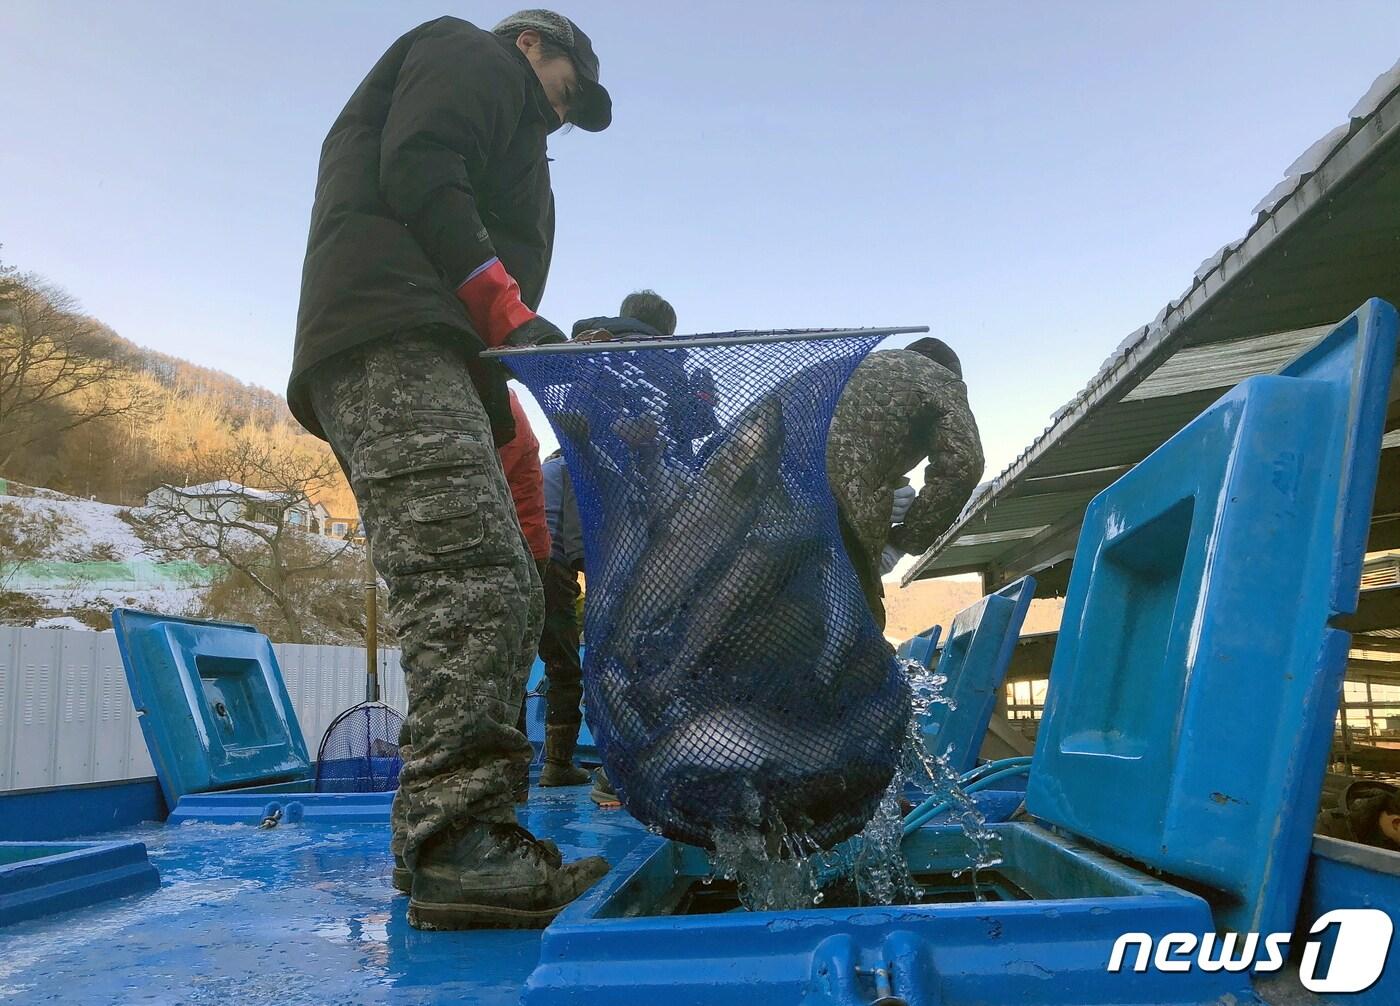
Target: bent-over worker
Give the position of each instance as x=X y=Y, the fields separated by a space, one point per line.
x=899 y=407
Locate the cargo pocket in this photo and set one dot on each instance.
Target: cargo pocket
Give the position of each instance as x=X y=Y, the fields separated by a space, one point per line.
x=436 y=501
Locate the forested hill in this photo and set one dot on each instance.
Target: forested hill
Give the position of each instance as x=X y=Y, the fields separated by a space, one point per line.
x=90 y=413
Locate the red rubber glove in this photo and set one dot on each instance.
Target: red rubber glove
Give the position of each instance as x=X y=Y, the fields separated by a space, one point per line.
x=492 y=299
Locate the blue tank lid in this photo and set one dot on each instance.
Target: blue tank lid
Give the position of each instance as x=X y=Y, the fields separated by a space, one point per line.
x=1197 y=673
x=212 y=703
x=981 y=640
x=921 y=647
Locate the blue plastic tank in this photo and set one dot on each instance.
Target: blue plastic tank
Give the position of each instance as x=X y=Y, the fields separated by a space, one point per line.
x=213 y=706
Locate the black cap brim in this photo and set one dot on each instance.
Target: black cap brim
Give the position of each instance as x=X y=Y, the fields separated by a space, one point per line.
x=594 y=111
x=594 y=106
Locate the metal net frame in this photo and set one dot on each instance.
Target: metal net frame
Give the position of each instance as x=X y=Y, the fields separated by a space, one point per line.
x=359 y=751
x=735 y=679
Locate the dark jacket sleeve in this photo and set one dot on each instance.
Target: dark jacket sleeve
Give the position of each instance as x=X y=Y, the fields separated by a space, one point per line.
x=570 y=526
x=452 y=107
x=955 y=464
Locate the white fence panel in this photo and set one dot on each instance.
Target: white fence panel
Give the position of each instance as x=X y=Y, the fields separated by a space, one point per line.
x=324 y=681
x=65 y=712
x=66 y=716
x=392 y=688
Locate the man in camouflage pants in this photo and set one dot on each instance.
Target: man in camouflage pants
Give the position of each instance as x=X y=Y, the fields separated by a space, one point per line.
x=900 y=406
x=415 y=441
x=431 y=238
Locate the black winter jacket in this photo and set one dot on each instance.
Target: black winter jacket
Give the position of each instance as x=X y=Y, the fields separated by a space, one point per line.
x=436 y=164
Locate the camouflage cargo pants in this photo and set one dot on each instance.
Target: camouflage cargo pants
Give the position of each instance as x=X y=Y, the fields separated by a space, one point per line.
x=464 y=596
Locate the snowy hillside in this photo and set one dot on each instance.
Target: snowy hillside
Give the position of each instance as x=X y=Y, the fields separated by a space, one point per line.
x=67 y=562
x=71 y=561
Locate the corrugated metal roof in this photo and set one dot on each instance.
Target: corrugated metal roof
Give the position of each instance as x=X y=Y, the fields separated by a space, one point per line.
x=1323 y=241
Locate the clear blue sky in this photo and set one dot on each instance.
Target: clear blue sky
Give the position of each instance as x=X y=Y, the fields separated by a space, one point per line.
x=1032 y=180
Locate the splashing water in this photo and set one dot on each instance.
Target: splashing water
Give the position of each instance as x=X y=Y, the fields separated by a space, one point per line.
x=785 y=872
x=767 y=879
x=933 y=772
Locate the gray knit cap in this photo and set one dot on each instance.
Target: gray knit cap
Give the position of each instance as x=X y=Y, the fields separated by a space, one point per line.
x=594 y=111
x=546 y=22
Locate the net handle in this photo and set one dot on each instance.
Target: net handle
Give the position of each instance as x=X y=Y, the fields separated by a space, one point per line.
x=742 y=338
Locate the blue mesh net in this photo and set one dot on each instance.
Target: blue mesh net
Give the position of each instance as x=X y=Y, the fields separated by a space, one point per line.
x=734 y=678
x=360 y=751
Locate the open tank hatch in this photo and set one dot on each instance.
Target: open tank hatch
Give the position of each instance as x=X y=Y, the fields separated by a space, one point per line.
x=1174 y=614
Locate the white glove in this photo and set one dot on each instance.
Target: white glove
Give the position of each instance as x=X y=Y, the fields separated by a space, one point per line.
x=889 y=558
x=904 y=498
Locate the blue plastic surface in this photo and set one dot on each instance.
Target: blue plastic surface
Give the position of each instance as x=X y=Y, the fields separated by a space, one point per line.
x=289 y=808
x=1348 y=875
x=921 y=647
x=213 y=706
x=292 y=916
x=40 y=815
x=1196 y=677
x=39 y=879
x=975 y=656
x=619 y=944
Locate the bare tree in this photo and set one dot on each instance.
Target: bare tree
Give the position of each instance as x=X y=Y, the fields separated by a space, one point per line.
x=25 y=536
x=58 y=369
x=249 y=521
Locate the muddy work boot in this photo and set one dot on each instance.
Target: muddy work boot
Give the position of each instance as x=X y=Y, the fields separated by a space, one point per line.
x=602 y=792
x=495 y=876
x=403 y=876
x=559 y=768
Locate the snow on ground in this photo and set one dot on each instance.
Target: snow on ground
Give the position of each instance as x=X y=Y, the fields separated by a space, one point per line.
x=101 y=600
x=91 y=560
x=168 y=529
x=64 y=622
x=90 y=530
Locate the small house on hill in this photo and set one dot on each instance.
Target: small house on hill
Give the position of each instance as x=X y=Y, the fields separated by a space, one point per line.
x=225 y=500
x=345 y=528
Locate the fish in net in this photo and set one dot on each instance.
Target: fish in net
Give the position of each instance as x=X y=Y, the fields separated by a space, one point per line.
x=735 y=680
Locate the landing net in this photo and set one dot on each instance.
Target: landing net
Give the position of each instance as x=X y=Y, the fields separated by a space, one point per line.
x=735 y=681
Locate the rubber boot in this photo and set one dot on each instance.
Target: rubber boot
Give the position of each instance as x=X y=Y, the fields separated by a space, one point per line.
x=494 y=876
x=559 y=768
x=602 y=792
x=403 y=876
